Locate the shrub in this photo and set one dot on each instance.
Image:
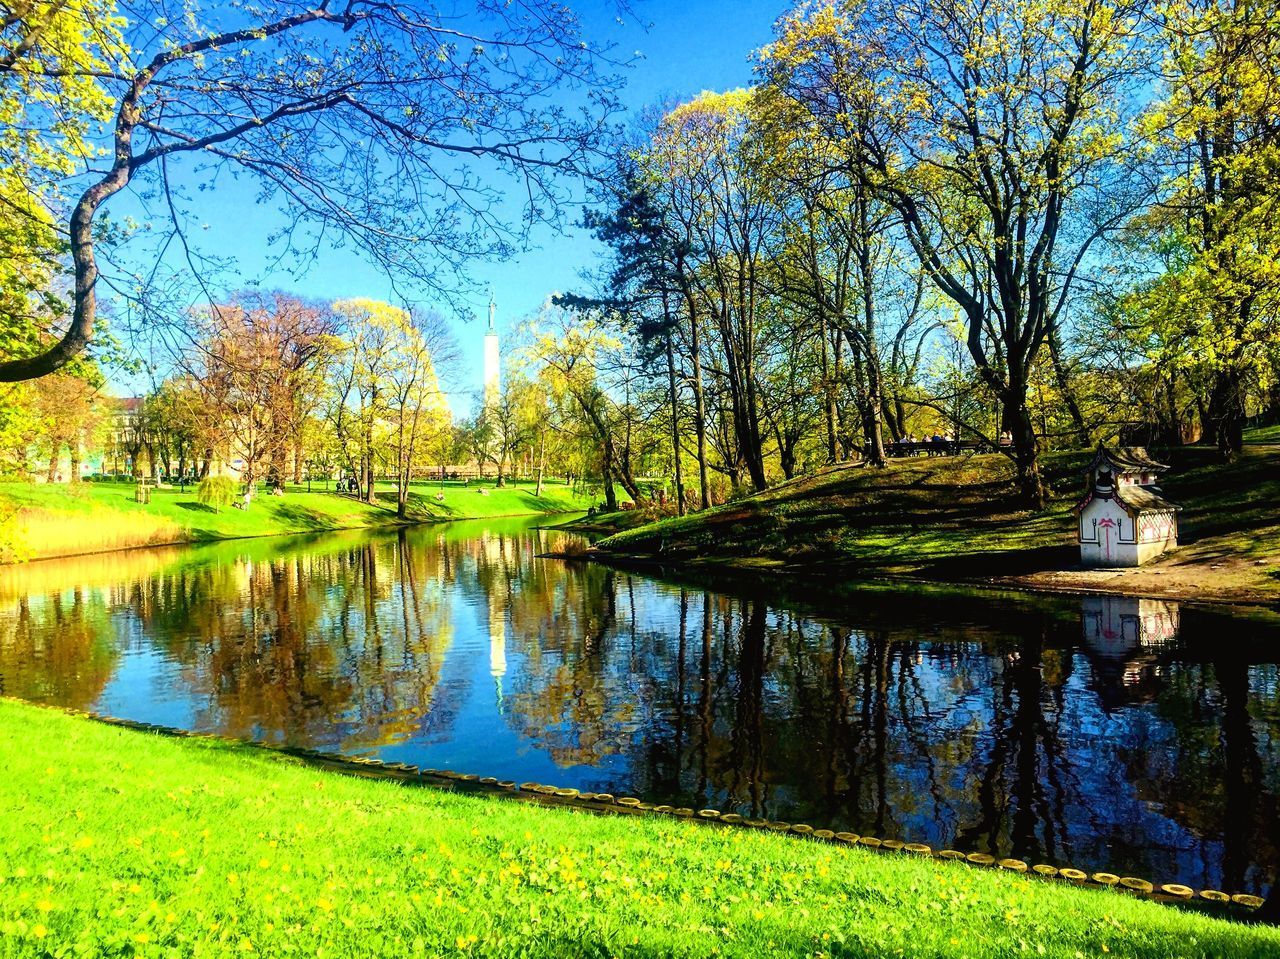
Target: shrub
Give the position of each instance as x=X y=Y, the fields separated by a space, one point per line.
x=216 y=491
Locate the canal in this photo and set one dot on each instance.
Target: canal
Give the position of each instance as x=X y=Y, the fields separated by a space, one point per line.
x=1125 y=734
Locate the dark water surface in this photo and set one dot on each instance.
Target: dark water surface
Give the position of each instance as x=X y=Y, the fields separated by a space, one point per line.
x=1118 y=733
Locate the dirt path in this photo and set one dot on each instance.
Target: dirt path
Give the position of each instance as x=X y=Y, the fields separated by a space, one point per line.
x=1230 y=579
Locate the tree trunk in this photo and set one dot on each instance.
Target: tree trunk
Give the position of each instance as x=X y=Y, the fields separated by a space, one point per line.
x=612 y=465
x=81 y=236
x=699 y=401
x=74 y=449
x=875 y=404
x=875 y=437
x=1226 y=413
x=837 y=360
x=403 y=456
x=542 y=460
x=606 y=473
x=278 y=467
x=1026 y=448
x=675 y=422
x=749 y=438
x=828 y=389
x=787 y=459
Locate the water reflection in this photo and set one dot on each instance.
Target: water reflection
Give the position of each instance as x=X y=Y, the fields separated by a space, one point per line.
x=1103 y=732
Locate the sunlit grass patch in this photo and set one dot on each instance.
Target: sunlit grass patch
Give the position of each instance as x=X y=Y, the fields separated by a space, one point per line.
x=37 y=532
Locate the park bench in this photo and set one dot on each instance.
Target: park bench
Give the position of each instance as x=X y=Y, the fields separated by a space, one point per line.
x=932 y=448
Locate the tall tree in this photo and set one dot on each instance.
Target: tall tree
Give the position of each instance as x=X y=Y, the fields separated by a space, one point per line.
x=645 y=285
x=54 y=57
x=342 y=108
x=994 y=130
x=418 y=413
x=574 y=349
x=257 y=355
x=70 y=411
x=831 y=259
x=1218 y=127
x=709 y=143
x=365 y=376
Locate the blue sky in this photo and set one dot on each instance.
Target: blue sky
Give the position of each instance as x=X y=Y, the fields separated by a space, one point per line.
x=688 y=47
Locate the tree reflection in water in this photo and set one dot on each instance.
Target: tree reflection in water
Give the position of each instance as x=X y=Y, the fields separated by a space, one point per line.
x=1109 y=732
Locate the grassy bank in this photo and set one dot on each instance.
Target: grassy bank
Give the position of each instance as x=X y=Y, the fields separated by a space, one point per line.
x=955 y=518
x=44 y=520
x=119 y=843
x=1263 y=434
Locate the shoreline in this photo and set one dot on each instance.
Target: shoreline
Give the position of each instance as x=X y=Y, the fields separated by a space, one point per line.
x=745 y=566
x=954 y=520
x=128 y=813
x=550 y=797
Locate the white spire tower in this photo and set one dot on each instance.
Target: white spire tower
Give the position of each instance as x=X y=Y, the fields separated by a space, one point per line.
x=497 y=644
x=492 y=371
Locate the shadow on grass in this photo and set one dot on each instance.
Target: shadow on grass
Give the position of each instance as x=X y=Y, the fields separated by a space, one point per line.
x=196 y=507
x=300 y=516
x=1013 y=562
x=421 y=506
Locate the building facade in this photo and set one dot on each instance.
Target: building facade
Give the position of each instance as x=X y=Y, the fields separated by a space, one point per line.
x=1123 y=519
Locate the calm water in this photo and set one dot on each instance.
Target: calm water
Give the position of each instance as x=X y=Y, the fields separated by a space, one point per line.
x=1103 y=733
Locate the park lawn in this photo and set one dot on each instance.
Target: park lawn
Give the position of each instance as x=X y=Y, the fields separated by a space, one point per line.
x=39 y=521
x=1263 y=434
x=120 y=843
x=483 y=500
x=955 y=518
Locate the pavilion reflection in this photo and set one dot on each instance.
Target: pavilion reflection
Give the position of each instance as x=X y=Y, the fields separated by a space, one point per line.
x=1125 y=637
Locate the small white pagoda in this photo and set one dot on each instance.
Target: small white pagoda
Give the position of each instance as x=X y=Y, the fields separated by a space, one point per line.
x=1123 y=519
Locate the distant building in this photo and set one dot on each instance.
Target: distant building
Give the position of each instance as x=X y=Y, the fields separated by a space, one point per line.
x=1123 y=520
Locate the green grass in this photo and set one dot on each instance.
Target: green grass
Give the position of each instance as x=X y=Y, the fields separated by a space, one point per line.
x=45 y=520
x=119 y=843
x=1263 y=434
x=955 y=517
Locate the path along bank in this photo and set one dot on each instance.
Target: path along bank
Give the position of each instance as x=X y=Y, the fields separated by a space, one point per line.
x=122 y=843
